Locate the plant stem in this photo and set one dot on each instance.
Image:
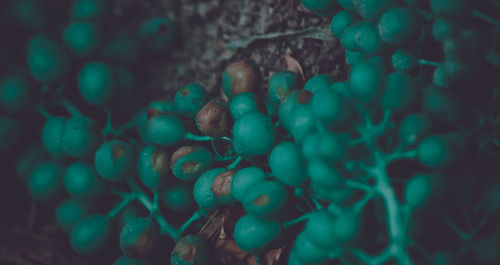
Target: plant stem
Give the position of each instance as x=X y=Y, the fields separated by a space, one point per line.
x=198 y=138
x=196 y=216
x=427 y=62
x=486 y=18
x=235 y=163
x=124 y=203
x=45 y=113
x=70 y=108
x=297 y=220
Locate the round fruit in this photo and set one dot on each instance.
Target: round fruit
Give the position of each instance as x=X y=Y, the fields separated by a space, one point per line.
x=288 y=104
x=434 y=151
x=153 y=166
x=80 y=137
x=308 y=252
x=418 y=190
x=341 y=21
x=165 y=130
x=28 y=158
x=282 y=83
x=189 y=162
x=138 y=237
x=254 y=235
x=321 y=173
x=254 y=135
x=16 y=94
x=241 y=76
x=400 y=92
x=243 y=103
x=221 y=187
x=52 y=131
x=318 y=82
x=96 y=82
x=319 y=229
x=303 y=122
x=46 y=181
x=202 y=190
x=47 y=60
x=82 y=38
x=287 y=164
x=398 y=25
x=213 y=119
x=90 y=234
x=190 y=249
x=245 y=178
x=367 y=80
x=89 y=10
x=114 y=160
x=69 y=212
x=190 y=99
x=265 y=199
x=82 y=182
x=413 y=127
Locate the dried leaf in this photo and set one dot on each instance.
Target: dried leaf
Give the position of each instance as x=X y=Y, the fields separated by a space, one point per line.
x=293 y=65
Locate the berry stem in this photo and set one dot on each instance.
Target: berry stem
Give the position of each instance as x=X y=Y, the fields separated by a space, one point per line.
x=486 y=18
x=71 y=108
x=45 y=113
x=196 y=216
x=126 y=200
x=235 y=163
x=198 y=138
x=297 y=220
x=427 y=62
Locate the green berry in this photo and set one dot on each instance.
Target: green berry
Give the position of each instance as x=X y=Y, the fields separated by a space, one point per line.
x=318 y=82
x=126 y=260
x=221 y=187
x=308 y=252
x=399 y=25
x=52 y=131
x=244 y=179
x=16 y=94
x=241 y=76
x=341 y=21
x=280 y=84
x=243 y=103
x=288 y=104
x=254 y=235
x=354 y=57
x=28 y=158
x=158 y=35
x=435 y=151
x=418 y=190
x=368 y=38
x=189 y=162
x=191 y=249
x=90 y=234
x=324 y=8
x=287 y=164
x=347 y=4
x=303 y=123
x=96 y=82
x=82 y=38
x=454 y=8
x=413 y=127
x=93 y=10
x=213 y=119
x=82 y=182
x=46 y=181
x=319 y=229
x=443 y=29
x=254 y=135
x=165 y=130
x=190 y=99
x=9 y=133
x=153 y=166
x=330 y=107
x=321 y=173
x=139 y=237
x=47 y=60
x=349 y=37
x=400 y=92
x=372 y=9
x=69 y=212
x=266 y=199
x=405 y=60
x=80 y=137
x=367 y=80
x=114 y=160
x=202 y=190
x=178 y=197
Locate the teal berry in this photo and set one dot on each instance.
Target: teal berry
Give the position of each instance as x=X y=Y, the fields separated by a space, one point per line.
x=241 y=76
x=280 y=84
x=89 y=10
x=418 y=190
x=153 y=109
x=307 y=252
x=121 y=47
x=90 y=234
x=368 y=39
x=324 y=8
x=354 y=57
x=82 y=182
x=349 y=38
x=310 y=146
x=330 y=107
x=165 y=130
x=126 y=260
x=293 y=259
x=96 y=82
x=254 y=235
x=340 y=21
x=221 y=188
x=9 y=133
x=213 y=119
x=288 y=104
x=399 y=25
x=190 y=99
x=114 y=160
x=322 y=173
x=158 y=35
x=400 y=93
x=243 y=103
x=82 y=38
x=202 y=190
x=318 y=82
x=347 y=5
x=287 y=164
x=80 y=137
x=266 y=199
x=129 y=213
x=440 y=104
x=189 y=162
x=139 y=237
x=372 y=9
x=444 y=29
x=69 y=212
x=28 y=158
x=178 y=197
x=304 y=122
x=413 y=127
x=46 y=181
x=52 y=131
x=345 y=226
x=47 y=60
x=191 y=249
x=405 y=60
x=331 y=146
x=254 y=135
x=319 y=229
x=16 y=94
x=452 y=8
x=244 y=179
x=30 y=15
x=367 y=80
x=153 y=166
x=435 y=151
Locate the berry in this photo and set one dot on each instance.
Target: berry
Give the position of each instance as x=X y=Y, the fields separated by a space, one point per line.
x=443 y=29
x=254 y=135
x=353 y=58
x=93 y=10
x=90 y=234
x=221 y=187
x=287 y=164
x=115 y=160
x=202 y=190
x=16 y=94
x=341 y=21
x=82 y=38
x=418 y=190
x=329 y=107
x=189 y=162
x=153 y=166
x=400 y=92
x=244 y=179
x=321 y=173
x=178 y=197
x=139 y=237
x=318 y=82
x=213 y=119
x=158 y=35
x=80 y=137
x=398 y=25
x=47 y=60
x=165 y=130
x=265 y=199
x=367 y=80
x=190 y=99
x=241 y=76
x=347 y=4
x=349 y=37
x=413 y=127
x=434 y=151
x=69 y=212
x=319 y=229
x=28 y=158
x=81 y=181
x=308 y=252
x=288 y=104
x=324 y=8
x=46 y=181
x=368 y=39
x=372 y=9
x=243 y=103
x=303 y=122
x=454 y=8
x=254 y=235
x=52 y=131
x=125 y=260
x=96 y=82
x=280 y=84
x=405 y=60
x=190 y=249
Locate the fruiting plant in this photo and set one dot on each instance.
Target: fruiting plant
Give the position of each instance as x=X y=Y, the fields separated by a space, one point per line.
x=329 y=171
